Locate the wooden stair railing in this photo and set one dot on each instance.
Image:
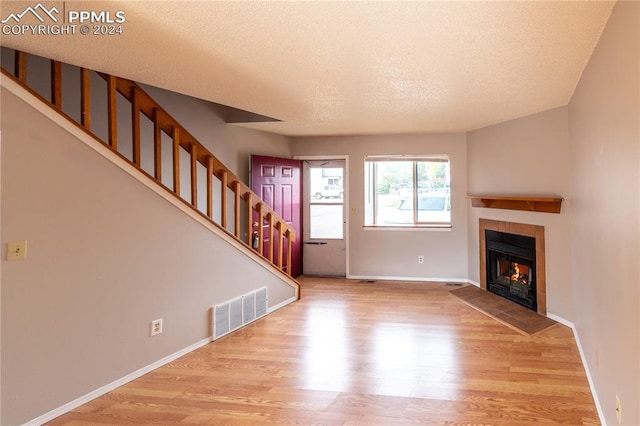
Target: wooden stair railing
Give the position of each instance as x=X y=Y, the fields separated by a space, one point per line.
x=141 y=102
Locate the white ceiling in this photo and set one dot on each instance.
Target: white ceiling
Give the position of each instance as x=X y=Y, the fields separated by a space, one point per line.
x=348 y=67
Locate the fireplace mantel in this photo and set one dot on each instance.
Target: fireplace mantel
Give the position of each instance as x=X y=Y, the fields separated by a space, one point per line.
x=532 y=204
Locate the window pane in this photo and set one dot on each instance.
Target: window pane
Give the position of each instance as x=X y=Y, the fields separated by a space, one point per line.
x=434 y=208
x=326 y=184
x=394 y=186
x=326 y=221
x=434 y=202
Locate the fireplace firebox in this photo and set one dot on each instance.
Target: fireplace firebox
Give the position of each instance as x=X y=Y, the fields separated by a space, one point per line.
x=511 y=265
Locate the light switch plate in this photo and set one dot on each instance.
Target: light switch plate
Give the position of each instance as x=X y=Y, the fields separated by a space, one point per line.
x=17 y=250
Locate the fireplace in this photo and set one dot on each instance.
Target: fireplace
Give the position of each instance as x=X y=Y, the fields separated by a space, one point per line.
x=511 y=265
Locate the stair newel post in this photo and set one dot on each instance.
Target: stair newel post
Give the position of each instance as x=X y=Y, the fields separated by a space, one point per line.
x=85 y=98
x=56 y=83
x=157 y=146
x=176 y=160
x=223 y=200
x=135 y=125
x=210 y=187
x=194 y=175
x=20 y=70
x=271 y=226
x=112 y=117
x=280 y=226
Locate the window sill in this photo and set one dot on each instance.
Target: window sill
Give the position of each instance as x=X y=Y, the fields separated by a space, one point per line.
x=430 y=227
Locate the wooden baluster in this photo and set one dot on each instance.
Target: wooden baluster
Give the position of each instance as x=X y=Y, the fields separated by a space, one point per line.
x=210 y=187
x=21 y=66
x=280 y=247
x=250 y=219
x=85 y=98
x=289 y=247
x=111 y=112
x=194 y=174
x=260 y=230
x=271 y=226
x=223 y=199
x=56 y=83
x=157 y=146
x=236 y=209
x=176 y=161
x=135 y=125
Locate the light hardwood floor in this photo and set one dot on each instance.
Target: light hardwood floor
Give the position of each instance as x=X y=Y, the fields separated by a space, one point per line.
x=352 y=353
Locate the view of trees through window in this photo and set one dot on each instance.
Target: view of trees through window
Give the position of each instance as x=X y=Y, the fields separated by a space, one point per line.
x=394 y=186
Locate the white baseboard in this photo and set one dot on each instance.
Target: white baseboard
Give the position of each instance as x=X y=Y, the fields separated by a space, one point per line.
x=588 y=373
x=416 y=279
x=113 y=385
x=281 y=305
x=561 y=320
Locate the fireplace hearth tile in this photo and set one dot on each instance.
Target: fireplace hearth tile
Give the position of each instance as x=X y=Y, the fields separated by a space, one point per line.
x=509 y=313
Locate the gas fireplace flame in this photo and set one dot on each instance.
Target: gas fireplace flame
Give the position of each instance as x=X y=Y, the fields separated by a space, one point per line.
x=516 y=272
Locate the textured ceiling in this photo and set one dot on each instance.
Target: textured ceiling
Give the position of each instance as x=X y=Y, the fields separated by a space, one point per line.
x=348 y=67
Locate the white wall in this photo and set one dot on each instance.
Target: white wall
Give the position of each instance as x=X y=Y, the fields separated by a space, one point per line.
x=393 y=253
x=604 y=122
x=105 y=257
x=526 y=156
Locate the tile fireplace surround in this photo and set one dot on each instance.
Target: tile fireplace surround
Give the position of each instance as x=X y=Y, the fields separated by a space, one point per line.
x=534 y=231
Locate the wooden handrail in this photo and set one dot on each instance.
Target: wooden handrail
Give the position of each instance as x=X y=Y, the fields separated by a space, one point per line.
x=162 y=121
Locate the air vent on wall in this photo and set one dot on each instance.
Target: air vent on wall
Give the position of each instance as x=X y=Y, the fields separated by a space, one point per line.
x=233 y=314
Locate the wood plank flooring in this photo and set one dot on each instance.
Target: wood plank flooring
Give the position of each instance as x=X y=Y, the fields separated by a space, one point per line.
x=351 y=353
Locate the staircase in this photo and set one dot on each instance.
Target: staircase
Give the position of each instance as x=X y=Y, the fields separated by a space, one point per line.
x=220 y=197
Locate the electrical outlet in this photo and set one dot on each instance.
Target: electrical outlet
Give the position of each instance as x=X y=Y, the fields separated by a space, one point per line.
x=420 y=259
x=156 y=327
x=618 y=410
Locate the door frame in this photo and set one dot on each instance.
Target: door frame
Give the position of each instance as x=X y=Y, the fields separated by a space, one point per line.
x=347 y=212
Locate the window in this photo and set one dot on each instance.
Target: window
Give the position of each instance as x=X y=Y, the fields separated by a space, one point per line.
x=326 y=215
x=407 y=191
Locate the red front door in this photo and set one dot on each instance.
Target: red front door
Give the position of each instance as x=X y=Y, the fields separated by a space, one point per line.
x=278 y=182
